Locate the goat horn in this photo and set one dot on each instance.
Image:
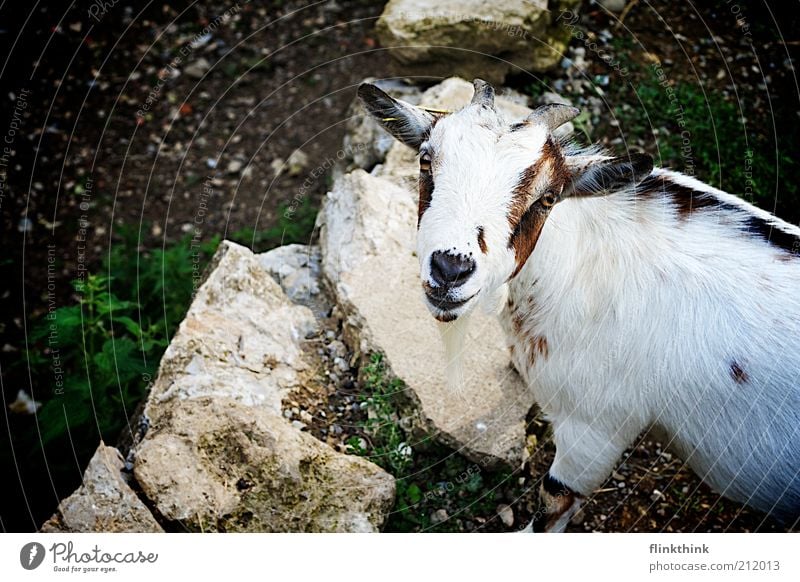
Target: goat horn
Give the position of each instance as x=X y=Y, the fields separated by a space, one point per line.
x=484 y=93
x=553 y=115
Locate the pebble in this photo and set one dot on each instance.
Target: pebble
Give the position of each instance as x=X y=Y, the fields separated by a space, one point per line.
x=297 y=162
x=25 y=225
x=506 y=514
x=341 y=364
x=234 y=166
x=439 y=516
x=198 y=68
x=337 y=349
x=656 y=495
x=299 y=425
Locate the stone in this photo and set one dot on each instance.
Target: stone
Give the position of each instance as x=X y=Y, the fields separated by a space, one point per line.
x=473 y=38
x=234 y=166
x=613 y=5
x=104 y=502
x=297 y=162
x=197 y=68
x=296 y=268
x=216 y=464
x=506 y=514
x=219 y=454
x=367 y=236
x=241 y=338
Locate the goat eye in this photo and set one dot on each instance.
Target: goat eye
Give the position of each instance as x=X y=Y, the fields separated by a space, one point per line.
x=549 y=198
x=425 y=162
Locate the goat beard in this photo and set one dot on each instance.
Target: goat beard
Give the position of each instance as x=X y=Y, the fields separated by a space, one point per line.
x=454 y=335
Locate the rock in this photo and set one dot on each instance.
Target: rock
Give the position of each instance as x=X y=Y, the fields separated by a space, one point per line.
x=472 y=38
x=219 y=454
x=25 y=225
x=297 y=162
x=24 y=404
x=439 y=516
x=234 y=166
x=506 y=514
x=216 y=464
x=613 y=5
x=296 y=268
x=367 y=237
x=104 y=503
x=241 y=338
x=277 y=166
x=197 y=68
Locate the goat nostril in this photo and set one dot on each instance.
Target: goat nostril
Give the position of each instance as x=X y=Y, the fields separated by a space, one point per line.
x=452 y=270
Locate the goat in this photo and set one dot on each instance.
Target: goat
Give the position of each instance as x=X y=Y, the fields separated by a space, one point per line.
x=633 y=297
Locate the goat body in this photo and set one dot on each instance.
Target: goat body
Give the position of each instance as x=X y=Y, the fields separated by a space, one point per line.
x=666 y=306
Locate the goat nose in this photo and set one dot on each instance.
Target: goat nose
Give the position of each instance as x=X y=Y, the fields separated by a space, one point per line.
x=449 y=270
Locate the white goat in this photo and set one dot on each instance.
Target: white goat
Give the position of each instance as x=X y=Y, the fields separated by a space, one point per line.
x=633 y=297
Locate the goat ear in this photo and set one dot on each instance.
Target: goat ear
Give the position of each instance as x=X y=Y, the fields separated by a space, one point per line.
x=408 y=123
x=591 y=177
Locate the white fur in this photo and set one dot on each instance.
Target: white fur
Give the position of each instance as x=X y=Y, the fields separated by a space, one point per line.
x=643 y=315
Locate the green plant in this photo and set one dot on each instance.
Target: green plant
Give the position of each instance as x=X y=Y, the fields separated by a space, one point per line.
x=697 y=130
x=92 y=361
x=430 y=476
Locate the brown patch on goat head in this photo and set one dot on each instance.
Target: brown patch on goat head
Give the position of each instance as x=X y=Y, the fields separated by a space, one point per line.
x=738 y=374
x=482 y=241
x=425 y=195
x=526 y=218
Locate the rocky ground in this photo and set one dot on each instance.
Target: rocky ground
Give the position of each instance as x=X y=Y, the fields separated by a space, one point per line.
x=238 y=137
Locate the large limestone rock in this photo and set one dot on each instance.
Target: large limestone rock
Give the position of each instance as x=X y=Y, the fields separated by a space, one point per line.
x=218 y=454
x=473 y=38
x=217 y=465
x=104 y=502
x=367 y=236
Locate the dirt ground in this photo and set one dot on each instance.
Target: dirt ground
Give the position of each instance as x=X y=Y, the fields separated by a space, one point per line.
x=187 y=114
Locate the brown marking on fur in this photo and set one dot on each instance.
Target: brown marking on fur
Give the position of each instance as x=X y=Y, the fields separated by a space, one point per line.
x=738 y=374
x=688 y=201
x=558 y=500
x=518 y=323
x=425 y=194
x=684 y=199
x=446 y=317
x=482 y=241
x=540 y=342
x=523 y=239
x=538 y=347
x=526 y=218
x=785 y=257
